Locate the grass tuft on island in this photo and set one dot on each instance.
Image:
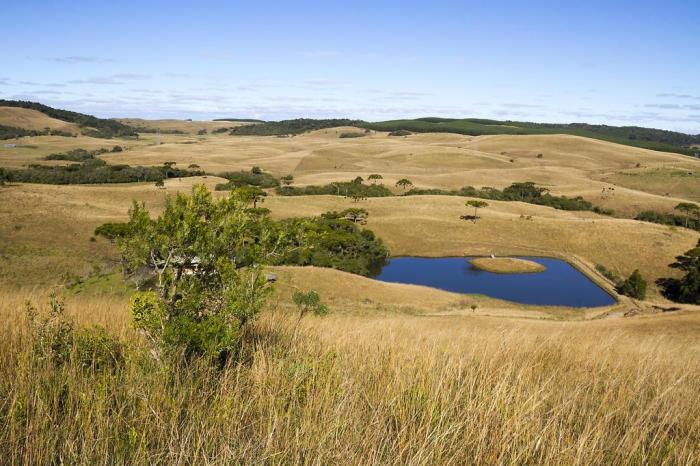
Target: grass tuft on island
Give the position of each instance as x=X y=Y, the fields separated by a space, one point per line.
x=506 y=265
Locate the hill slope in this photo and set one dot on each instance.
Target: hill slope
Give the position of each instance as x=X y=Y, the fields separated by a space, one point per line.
x=34 y=120
x=647 y=138
x=93 y=126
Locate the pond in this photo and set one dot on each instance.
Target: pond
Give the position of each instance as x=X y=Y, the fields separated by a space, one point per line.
x=561 y=284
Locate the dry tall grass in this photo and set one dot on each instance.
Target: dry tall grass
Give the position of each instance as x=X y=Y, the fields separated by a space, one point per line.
x=356 y=390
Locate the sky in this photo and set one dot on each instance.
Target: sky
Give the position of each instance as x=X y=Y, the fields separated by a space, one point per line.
x=614 y=62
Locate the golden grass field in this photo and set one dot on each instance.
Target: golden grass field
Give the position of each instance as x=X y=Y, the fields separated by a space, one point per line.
x=395 y=374
x=379 y=387
x=33 y=120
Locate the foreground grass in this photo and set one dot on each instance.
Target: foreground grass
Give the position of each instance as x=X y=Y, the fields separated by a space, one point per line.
x=364 y=390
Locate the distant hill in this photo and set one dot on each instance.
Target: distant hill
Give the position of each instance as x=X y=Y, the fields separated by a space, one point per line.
x=90 y=125
x=636 y=136
x=34 y=120
x=292 y=127
x=647 y=138
x=240 y=120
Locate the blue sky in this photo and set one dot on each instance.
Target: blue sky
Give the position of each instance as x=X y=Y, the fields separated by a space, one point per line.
x=615 y=62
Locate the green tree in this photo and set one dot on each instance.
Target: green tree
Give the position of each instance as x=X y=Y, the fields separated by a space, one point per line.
x=687 y=288
x=374 y=177
x=287 y=180
x=309 y=302
x=404 y=184
x=634 y=286
x=253 y=194
x=160 y=184
x=477 y=205
x=355 y=214
x=256 y=171
x=689 y=209
x=204 y=256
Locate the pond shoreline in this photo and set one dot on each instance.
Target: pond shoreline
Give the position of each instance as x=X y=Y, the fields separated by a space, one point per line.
x=563 y=282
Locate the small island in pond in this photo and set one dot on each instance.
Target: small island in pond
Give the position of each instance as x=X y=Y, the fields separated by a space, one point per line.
x=506 y=265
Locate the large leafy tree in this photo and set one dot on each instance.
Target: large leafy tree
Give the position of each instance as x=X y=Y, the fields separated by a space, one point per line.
x=689 y=209
x=687 y=288
x=204 y=256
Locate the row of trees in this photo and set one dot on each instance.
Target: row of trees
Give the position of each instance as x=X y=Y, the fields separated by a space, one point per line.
x=95 y=171
x=688 y=217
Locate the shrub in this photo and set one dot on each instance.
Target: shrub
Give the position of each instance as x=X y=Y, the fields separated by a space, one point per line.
x=255 y=177
x=400 y=132
x=634 y=286
x=55 y=339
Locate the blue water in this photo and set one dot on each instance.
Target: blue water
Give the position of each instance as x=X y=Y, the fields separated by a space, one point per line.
x=560 y=285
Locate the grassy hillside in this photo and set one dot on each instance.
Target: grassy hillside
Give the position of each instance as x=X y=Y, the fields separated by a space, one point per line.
x=92 y=126
x=362 y=387
x=34 y=120
x=648 y=138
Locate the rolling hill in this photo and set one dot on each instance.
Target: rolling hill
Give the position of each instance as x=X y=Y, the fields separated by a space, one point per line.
x=90 y=125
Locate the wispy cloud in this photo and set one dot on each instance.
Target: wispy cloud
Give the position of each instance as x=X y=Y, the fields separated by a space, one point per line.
x=674 y=106
x=678 y=96
x=78 y=59
x=321 y=54
x=325 y=82
x=114 y=79
x=519 y=105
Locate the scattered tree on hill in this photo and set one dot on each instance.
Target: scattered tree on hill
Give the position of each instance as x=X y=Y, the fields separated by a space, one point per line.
x=117 y=149
x=358 y=180
x=202 y=132
x=193 y=166
x=404 y=184
x=309 y=302
x=687 y=288
x=160 y=184
x=634 y=286
x=689 y=209
x=374 y=177
x=256 y=171
x=477 y=205
x=287 y=180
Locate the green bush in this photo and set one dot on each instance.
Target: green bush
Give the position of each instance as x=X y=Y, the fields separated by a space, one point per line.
x=634 y=286
x=56 y=340
x=255 y=177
